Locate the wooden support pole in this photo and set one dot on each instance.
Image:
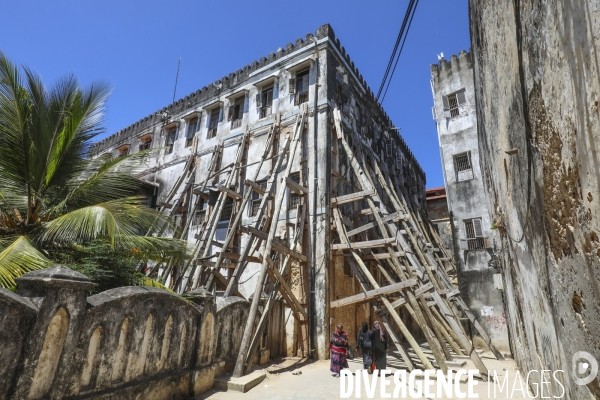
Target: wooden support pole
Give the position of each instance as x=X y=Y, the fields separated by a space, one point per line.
x=366 y=296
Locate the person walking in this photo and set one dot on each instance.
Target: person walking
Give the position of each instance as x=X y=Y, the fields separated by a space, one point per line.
x=379 y=340
x=366 y=346
x=339 y=350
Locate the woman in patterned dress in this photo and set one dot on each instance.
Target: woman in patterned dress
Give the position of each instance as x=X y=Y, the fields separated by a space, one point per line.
x=339 y=350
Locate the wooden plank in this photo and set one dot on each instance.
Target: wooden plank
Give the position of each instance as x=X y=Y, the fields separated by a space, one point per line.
x=382 y=256
x=369 y=244
x=277 y=246
x=223 y=281
x=230 y=193
x=165 y=205
x=362 y=297
x=392 y=217
x=296 y=187
x=423 y=289
x=215 y=243
x=283 y=287
x=255 y=186
x=349 y=198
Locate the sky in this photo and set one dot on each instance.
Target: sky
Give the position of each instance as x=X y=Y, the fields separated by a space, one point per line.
x=135 y=46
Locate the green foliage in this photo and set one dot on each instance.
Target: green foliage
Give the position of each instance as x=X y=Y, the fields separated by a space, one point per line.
x=52 y=197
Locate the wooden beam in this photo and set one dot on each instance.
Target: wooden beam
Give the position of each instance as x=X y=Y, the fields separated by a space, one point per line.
x=392 y=217
x=296 y=187
x=165 y=205
x=349 y=198
x=426 y=288
x=255 y=186
x=362 y=297
x=278 y=247
x=382 y=256
x=364 y=245
x=230 y=193
x=283 y=287
x=223 y=281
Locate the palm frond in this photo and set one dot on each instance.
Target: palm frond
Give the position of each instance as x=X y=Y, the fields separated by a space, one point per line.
x=17 y=258
x=122 y=222
x=145 y=281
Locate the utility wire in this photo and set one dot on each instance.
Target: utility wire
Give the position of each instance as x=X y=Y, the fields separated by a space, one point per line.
x=387 y=77
x=401 y=47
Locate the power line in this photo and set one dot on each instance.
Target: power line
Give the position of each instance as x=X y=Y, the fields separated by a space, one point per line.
x=401 y=47
x=404 y=28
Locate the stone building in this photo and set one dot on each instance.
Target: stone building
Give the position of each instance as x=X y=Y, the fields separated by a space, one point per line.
x=537 y=87
x=315 y=72
x=467 y=201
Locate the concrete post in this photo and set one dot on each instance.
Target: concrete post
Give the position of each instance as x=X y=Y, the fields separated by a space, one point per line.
x=61 y=295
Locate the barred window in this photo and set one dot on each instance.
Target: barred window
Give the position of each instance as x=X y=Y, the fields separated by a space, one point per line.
x=256 y=199
x=200 y=214
x=474 y=230
x=227 y=209
x=463 y=166
x=454 y=104
x=301 y=87
x=294 y=198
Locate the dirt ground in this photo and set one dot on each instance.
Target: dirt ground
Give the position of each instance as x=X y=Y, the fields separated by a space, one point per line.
x=316 y=382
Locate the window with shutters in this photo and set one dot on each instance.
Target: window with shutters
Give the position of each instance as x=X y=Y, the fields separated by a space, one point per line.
x=213 y=122
x=123 y=150
x=236 y=112
x=463 y=166
x=299 y=86
x=474 y=230
x=227 y=209
x=294 y=199
x=171 y=138
x=200 y=214
x=388 y=149
x=146 y=142
x=255 y=199
x=192 y=128
x=264 y=102
x=455 y=104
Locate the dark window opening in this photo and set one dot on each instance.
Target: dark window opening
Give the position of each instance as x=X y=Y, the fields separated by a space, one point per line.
x=200 y=214
x=227 y=209
x=146 y=143
x=236 y=113
x=213 y=122
x=171 y=137
x=301 y=83
x=294 y=198
x=265 y=102
x=192 y=128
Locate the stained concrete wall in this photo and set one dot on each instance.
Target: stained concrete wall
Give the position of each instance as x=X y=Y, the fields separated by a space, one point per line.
x=125 y=343
x=537 y=89
x=468 y=198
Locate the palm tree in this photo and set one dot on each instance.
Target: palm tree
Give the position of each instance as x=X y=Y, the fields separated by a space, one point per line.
x=51 y=196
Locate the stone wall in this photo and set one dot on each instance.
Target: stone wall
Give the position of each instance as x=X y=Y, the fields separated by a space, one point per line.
x=537 y=87
x=124 y=343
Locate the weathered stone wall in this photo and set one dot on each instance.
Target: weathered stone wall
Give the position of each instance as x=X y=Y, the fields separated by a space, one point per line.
x=466 y=196
x=537 y=86
x=125 y=343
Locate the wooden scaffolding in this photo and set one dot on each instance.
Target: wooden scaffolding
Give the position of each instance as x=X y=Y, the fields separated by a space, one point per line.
x=389 y=234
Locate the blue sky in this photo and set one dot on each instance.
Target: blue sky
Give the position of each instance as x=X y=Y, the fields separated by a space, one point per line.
x=135 y=46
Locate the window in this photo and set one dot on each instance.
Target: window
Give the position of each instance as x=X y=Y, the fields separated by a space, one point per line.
x=171 y=138
x=454 y=104
x=123 y=150
x=213 y=122
x=236 y=112
x=474 y=230
x=255 y=199
x=299 y=86
x=264 y=102
x=192 y=128
x=146 y=143
x=294 y=198
x=388 y=149
x=200 y=214
x=463 y=167
x=227 y=209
